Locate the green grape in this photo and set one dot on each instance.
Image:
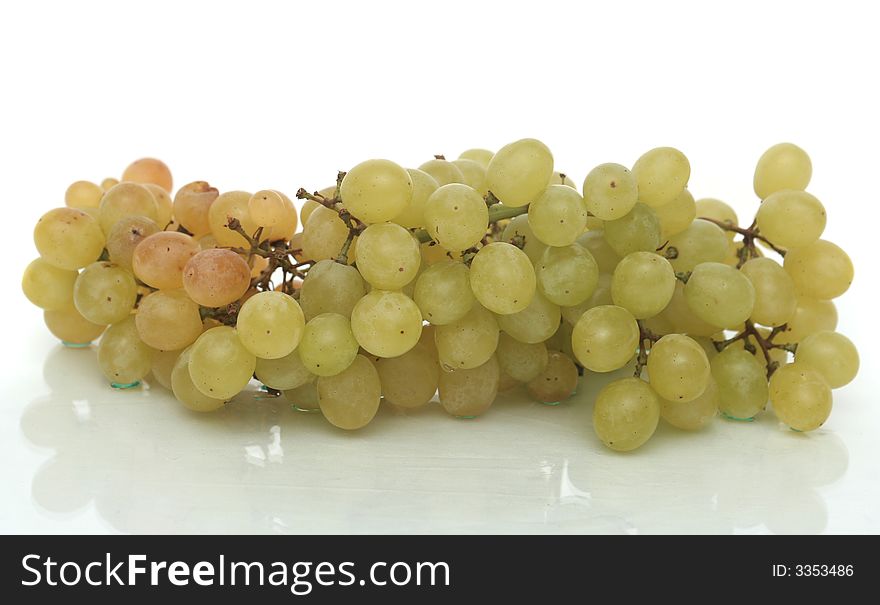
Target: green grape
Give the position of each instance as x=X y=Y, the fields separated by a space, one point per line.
x=556 y=382
x=568 y=275
x=467 y=342
x=677 y=215
x=284 y=373
x=216 y=277
x=596 y=244
x=231 y=204
x=800 y=396
x=678 y=368
x=605 y=338
x=700 y=242
x=126 y=199
x=466 y=393
x=456 y=216
x=783 y=166
x=502 y=278
x=304 y=397
x=267 y=208
x=809 y=317
x=610 y=191
x=637 y=231
x=109 y=183
x=480 y=156
x=168 y=320
x=220 y=366
x=521 y=361
x=443 y=172
x=185 y=390
x=309 y=206
x=833 y=355
x=519 y=226
x=742 y=383
x=328 y=345
x=148 y=170
x=536 y=323
x=560 y=178
x=162 y=366
x=125 y=236
x=83 y=194
x=376 y=190
x=695 y=414
x=600 y=296
x=661 y=174
x=643 y=284
x=710 y=208
x=122 y=355
x=159 y=260
x=410 y=380
x=519 y=172
x=775 y=299
x=105 y=293
x=558 y=216
x=191 y=207
x=720 y=295
x=68 y=238
x=330 y=287
x=682 y=318
x=388 y=256
x=626 y=414
x=443 y=292
x=164 y=205
x=270 y=324
x=791 y=219
x=70 y=327
x=350 y=399
x=820 y=270
x=473 y=174
x=386 y=323
x=413 y=216
x=48 y=286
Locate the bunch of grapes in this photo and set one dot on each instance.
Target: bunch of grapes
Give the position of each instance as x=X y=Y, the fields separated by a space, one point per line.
x=458 y=280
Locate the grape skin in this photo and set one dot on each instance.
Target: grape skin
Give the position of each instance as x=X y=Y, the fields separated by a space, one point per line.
x=605 y=338
x=68 y=238
x=519 y=172
x=122 y=355
x=270 y=324
x=216 y=277
x=742 y=383
x=661 y=174
x=220 y=366
x=386 y=323
x=800 y=396
x=350 y=399
x=720 y=295
x=833 y=355
x=643 y=284
x=626 y=414
x=327 y=345
x=610 y=191
x=678 y=368
x=783 y=166
x=821 y=270
x=376 y=190
x=502 y=278
x=443 y=292
x=159 y=260
x=48 y=286
x=467 y=342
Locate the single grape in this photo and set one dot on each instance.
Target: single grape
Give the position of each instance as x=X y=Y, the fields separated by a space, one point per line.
x=105 y=293
x=122 y=355
x=376 y=190
x=502 y=278
x=568 y=275
x=388 y=256
x=800 y=396
x=83 y=194
x=466 y=393
x=185 y=390
x=162 y=367
x=557 y=381
x=661 y=175
x=558 y=216
x=123 y=200
x=164 y=205
x=267 y=208
x=216 y=277
x=626 y=414
x=443 y=172
x=677 y=215
x=605 y=338
x=125 y=236
x=159 y=260
x=519 y=226
x=386 y=323
x=610 y=191
x=720 y=295
x=410 y=380
x=521 y=361
x=678 y=312
x=604 y=255
x=480 y=156
x=109 y=183
x=775 y=299
x=678 y=368
x=700 y=242
x=810 y=316
x=47 y=286
x=231 y=205
x=191 y=207
x=350 y=399
x=643 y=284
x=833 y=355
x=148 y=170
x=637 y=231
x=70 y=327
x=519 y=172
x=456 y=216
x=692 y=415
x=535 y=323
x=600 y=296
x=783 y=166
x=469 y=341
x=324 y=235
x=68 y=238
x=742 y=383
x=284 y=373
x=791 y=219
x=413 y=216
x=220 y=366
x=330 y=287
x=270 y=324
x=710 y=208
x=327 y=346
x=443 y=292
x=473 y=174
x=820 y=270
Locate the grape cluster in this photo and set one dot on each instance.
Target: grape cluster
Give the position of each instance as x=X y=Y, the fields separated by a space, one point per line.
x=458 y=280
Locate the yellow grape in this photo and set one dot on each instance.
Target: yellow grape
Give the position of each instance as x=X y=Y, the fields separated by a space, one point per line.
x=122 y=355
x=677 y=215
x=742 y=383
x=105 y=293
x=388 y=256
x=386 y=323
x=47 y=286
x=376 y=190
x=800 y=396
x=714 y=209
x=124 y=200
x=191 y=207
x=70 y=327
x=83 y=194
x=558 y=216
x=604 y=255
x=661 y=174
x=568 y=275
x=678 y=312
x=413 y=215
x=720 y=295
x=678 y=368
x=466 y=393
x=185 y=390
x=216 y=277
x=159 y=260
x=536 y=323
x=443 y=172
x=148 y=170
x=610 y=191
x=68 y=238
x=783 y=166
x=700 y=242
x=820 y=270
x=443 y=292
x=643 y=284
x=327 y=345
x=605 y=338
x=109 y=183
x=775 y=299
x=502 y=278
x=410 y=380
x=330 y=287
x=521 y=361
x=284 y=373
x=833 y=355
x=220 y=366
x=791 y=219
x=600 y=296
x=469 y=341
x=125 y=236
x=350 y=399
x=639 y=230
x=270 y=324
x=519 y=226
x=229 y=205
x=556 y=382
x=162 y=367
x=692 y=415
x=164 y=204
x=480 y=156
x=304 y=397
x=473 y=174
x=324 y=235
x=519 y=172
x=626 y=414
x=456 y=216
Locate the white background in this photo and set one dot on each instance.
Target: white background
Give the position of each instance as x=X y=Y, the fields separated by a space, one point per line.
x=252 y=95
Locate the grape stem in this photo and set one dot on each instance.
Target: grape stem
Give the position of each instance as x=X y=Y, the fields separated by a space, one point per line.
x=766 y=344
x=278 y=253
x=645 y=336
x=749 y=236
